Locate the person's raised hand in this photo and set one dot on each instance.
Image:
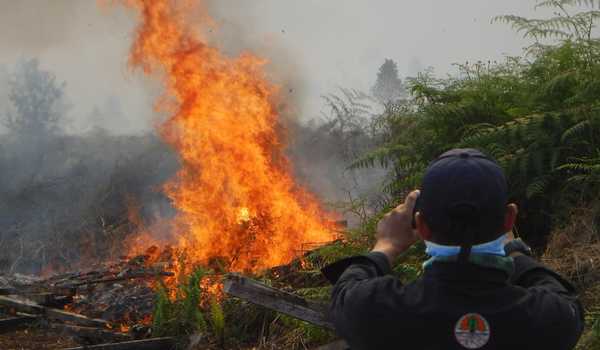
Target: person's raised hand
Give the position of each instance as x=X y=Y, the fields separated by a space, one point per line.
x=395 y=233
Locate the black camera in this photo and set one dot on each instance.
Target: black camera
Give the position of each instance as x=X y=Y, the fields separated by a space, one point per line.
x=414 y=213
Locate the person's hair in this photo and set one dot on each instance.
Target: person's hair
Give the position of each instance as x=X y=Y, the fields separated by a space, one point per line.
x=477 y=227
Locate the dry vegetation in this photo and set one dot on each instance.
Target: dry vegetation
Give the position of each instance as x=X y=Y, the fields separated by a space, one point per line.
x=574 y=252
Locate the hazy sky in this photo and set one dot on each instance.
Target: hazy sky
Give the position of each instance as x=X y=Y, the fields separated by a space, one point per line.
x=315 y=45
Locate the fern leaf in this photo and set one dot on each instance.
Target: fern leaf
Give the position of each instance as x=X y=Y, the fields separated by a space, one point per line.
x=538 y=186
x=574 y=131
x=217 y=318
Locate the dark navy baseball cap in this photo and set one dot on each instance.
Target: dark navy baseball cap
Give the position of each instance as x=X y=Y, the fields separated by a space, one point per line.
x=463 y=197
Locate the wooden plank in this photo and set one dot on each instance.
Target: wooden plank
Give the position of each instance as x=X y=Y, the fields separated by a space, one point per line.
x=78 y=319
x=9 y=324
x=40 y=298
x=28 y=306
x=146 y=344
x=274 y=299
x=38 y=290
x=9 y=291
x=21 y=304
x=123 y=278
x=50 y=299
x=91 y=335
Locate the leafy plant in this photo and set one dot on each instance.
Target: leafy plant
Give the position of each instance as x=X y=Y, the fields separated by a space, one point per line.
x=217 y=318
x=539 y=116
x=182 y=315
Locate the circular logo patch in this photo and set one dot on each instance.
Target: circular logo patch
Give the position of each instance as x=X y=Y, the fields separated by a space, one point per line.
x=472 y=331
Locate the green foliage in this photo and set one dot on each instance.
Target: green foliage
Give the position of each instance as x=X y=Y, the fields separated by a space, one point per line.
x=348 y=121
x=217 y=318
x=181 y=316
x=192 y=317
x=539 y=117
x=337 y=250
x=308 y=332
x=316 y=293
x=563 y=25
x=161 y=317
x=591 y=337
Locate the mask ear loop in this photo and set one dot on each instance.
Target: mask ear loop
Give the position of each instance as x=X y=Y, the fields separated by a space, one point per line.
x=515 y=231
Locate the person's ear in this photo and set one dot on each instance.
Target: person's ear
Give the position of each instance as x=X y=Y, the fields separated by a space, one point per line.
x=510 y=217
x=423 y=229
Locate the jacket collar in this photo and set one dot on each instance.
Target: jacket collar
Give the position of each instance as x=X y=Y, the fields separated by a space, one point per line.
x=479 y=267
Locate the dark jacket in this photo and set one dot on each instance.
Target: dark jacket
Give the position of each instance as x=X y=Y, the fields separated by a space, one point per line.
x=481 y=307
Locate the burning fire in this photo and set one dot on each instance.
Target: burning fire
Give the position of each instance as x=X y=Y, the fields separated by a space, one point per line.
x=236 y=199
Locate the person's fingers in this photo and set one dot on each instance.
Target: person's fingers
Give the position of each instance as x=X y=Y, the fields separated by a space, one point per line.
x=411 y=200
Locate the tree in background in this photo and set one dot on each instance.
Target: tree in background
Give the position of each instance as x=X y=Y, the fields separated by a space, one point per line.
x=65 y=197
x=33 y=120
x=389 y=87
x=37 y=100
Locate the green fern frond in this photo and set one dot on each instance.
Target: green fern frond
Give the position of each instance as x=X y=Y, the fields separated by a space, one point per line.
x=538 y=186
x=192 y=317
x=534 y=28
x=410 y=181
x=381 y=156
x=560 y=84
x=564 y=3
x=217 y=317
x=588 y=92
x=554 y=158
x=575 y=131
x=563 y=25
x=162 y=312
x=553 y=3
x=581 y=167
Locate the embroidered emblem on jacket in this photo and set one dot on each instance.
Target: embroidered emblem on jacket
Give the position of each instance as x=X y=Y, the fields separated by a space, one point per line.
x=472 y=331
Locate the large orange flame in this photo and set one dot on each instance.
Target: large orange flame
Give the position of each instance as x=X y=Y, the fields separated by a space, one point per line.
x=235 y=196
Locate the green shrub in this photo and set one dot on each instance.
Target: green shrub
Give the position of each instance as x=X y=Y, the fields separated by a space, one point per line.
x=181 y=316
x=538 y=115
x=217 y=318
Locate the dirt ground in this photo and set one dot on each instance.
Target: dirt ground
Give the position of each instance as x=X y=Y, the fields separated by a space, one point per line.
x=33 y=338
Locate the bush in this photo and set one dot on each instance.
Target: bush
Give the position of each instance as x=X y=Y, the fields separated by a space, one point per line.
x=182 y=315
x=539 y=116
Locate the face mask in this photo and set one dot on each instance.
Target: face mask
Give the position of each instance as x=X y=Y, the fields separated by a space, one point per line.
x=495 y=247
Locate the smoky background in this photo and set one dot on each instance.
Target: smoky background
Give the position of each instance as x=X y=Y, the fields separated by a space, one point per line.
x=81 y=166
x=79 y=173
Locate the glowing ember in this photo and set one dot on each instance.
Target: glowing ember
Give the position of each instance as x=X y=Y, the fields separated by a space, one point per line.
x=235 y=196
x=243 y=216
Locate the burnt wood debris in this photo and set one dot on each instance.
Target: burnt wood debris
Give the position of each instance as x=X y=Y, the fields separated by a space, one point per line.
x=110 y=308
x=283 y=302
x=104 y=308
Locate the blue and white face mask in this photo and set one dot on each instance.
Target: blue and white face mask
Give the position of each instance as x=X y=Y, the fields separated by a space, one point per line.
x=495 y=247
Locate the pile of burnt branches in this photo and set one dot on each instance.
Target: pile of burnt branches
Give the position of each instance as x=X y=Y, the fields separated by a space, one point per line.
x=111 y=305
x=108 y=304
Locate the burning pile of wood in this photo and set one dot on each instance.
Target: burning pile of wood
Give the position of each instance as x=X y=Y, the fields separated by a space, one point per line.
x=109 y=304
